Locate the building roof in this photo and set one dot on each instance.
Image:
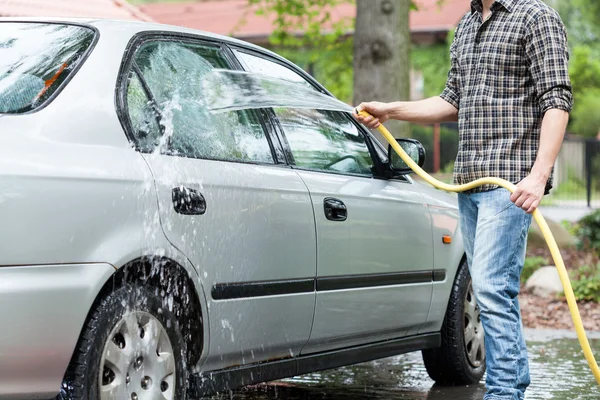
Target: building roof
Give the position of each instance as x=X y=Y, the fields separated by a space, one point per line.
x=115 y=9
x=236 y=18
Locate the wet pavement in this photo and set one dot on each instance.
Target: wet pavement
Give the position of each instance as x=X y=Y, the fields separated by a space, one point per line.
x=558 y=372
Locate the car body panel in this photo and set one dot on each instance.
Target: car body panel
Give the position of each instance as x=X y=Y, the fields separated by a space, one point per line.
x=42 y=322
x=445 y=221
x=382 y=215
x=266 y=233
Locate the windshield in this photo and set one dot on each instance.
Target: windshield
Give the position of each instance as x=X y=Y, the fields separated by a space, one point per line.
x=35 y=60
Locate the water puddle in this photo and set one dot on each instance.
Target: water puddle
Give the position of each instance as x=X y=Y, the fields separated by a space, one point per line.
x=558 y=372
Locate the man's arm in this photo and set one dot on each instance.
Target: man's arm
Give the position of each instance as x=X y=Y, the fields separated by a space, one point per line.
x=547 y=54
x=433 y=110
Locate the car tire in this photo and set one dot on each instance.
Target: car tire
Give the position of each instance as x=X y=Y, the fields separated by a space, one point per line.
x=460 y=360
x=131 y=343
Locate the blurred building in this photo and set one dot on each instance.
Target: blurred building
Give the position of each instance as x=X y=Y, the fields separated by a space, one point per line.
x=430 y=24
x=114 y=9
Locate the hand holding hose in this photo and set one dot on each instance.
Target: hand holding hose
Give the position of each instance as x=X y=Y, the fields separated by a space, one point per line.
x=377 y=114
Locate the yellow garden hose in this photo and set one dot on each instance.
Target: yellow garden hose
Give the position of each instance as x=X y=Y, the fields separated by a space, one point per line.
x=537 y=215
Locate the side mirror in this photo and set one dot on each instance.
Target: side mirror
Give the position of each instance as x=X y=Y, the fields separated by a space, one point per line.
x=413 y=148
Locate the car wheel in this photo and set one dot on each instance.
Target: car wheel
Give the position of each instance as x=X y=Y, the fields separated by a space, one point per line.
x=461 y=358
x=130 y=348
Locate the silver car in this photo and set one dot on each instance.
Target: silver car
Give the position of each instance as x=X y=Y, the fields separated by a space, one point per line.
x=152 y=249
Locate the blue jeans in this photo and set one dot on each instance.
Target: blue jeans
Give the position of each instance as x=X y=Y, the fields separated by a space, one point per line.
x=495 y=235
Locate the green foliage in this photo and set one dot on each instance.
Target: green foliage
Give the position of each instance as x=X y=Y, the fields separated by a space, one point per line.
x=332 y=68
x=587 y=285
x=299 y=22
x=584 y=70
x=584 y=17
x=588 y=232
x=448 y=144
x=304 y=33
x=581 y=19
x=585 y=77
x=569 y=227
x=531 y=265
x=433 y=62
x=581 y=24
x=448 y=168
x=585 y=115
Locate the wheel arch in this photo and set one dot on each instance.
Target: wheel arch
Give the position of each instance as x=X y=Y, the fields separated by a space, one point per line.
x=165 y=274
x=168 y=277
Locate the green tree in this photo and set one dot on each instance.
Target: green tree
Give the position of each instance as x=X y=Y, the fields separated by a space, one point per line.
x=584 y=70
x=581 y=19
x=585 y=115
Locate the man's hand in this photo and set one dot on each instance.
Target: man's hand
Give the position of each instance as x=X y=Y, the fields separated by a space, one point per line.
x=380 y=113
x=529 y=192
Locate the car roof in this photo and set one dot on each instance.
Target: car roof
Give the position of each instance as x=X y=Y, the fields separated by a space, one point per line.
x=134 y=27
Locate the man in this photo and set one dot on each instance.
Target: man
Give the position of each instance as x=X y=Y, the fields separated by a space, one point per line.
x=509 y=89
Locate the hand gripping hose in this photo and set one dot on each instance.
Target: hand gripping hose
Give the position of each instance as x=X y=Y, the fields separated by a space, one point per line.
x=550 y=241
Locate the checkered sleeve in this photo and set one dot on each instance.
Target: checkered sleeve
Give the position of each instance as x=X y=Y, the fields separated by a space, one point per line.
x=451 y=93
x=548 y=56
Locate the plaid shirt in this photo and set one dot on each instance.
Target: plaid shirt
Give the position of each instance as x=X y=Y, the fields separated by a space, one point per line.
x=505 y=74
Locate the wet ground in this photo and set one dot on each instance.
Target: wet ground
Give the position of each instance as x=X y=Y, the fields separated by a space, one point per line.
x=558 y=372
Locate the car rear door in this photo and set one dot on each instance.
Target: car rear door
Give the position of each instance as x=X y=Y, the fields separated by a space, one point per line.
x=242 y=217
x=375 y=249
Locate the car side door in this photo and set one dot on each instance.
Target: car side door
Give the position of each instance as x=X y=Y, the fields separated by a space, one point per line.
x=375 y=250
x=240 y=214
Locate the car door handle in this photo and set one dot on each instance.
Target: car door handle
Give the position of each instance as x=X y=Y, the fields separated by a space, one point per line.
x=335 y=209
x=188 y=201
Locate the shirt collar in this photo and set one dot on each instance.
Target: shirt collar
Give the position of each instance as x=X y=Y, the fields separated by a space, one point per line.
x=477 y=5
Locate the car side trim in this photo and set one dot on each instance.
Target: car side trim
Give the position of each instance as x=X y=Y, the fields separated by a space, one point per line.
x=327 y=283
x=211 y=382
x=228 y=291
x=240 y=290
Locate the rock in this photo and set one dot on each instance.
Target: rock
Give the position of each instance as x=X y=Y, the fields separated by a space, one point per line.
x=544 y=282
x=563 y=237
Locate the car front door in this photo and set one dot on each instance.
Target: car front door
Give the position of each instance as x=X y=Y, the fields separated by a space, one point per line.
x=375 y=249
x=241 y=216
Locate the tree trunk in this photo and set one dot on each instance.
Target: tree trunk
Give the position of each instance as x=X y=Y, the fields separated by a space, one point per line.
x=382 y=55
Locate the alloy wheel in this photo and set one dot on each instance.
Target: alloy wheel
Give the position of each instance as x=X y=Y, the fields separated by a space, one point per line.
x=473 y=336
x=137 y=360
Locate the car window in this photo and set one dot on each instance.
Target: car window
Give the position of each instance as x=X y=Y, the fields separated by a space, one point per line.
x=36 y=59
x=325 y=141
x=144 y=119
x=174 y=73
x=319 y=140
